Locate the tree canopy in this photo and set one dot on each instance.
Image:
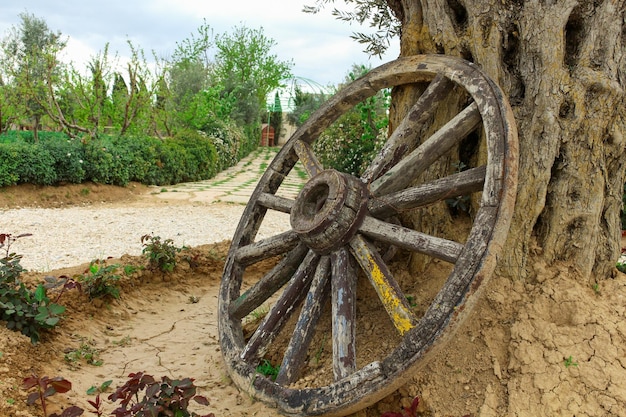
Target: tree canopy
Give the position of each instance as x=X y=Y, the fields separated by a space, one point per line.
x=210 y=83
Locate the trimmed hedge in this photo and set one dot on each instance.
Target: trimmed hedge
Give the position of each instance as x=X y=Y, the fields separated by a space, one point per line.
x=189 y=156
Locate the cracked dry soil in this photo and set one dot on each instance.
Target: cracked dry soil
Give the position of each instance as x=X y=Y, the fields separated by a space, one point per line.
x=548 y=346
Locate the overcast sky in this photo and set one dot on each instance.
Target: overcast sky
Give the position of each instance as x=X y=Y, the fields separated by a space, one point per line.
x=319 y=45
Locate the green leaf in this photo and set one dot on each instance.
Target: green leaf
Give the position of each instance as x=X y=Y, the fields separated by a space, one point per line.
x=52 y=321
x=40 y=293
x=56 y=309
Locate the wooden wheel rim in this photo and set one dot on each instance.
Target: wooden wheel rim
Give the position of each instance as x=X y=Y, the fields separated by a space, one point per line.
x=454 y=301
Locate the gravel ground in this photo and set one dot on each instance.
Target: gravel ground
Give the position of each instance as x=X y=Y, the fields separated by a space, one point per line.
x=190 y=214
x=72 y=236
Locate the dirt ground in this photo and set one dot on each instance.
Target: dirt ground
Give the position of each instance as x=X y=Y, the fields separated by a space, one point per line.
x=549 y=346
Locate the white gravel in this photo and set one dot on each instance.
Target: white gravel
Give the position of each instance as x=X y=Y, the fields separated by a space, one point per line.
x=71 y=236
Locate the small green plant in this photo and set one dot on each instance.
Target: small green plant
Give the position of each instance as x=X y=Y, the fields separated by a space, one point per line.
x=161 y=254
x=412 y=301
x=267 y=369
x=86 y=353
x=143 y=395
x=621 y=267
x=596 y=288
x=124 y=341
x=461 y=203
x=46 y=387
x=320 y=351
x=23 y=309
x=101 y=280
x=258 y=313
x=130 y=269
x=98 y=389
x=569 y=361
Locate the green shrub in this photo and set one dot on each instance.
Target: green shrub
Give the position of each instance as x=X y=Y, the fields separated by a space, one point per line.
x=8 y=164
x=69 y=159
x=35 y=164
x=106 y=164
x=101 y=280
x=22 y=309
x=161 y=254
x=143 y=154
x=201 y=162
x=189 y=156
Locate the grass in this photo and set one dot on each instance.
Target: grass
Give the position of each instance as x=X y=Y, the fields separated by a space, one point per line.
x=569 y=362
x=85 y=353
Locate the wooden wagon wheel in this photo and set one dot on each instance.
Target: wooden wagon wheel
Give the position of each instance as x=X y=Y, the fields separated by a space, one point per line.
x=339 y=225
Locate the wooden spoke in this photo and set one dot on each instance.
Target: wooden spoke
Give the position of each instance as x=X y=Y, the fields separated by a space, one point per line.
x=402 y=139
x=269 y=284
x=455 y=185
x=281 y=311
x=385 y=285
x=343 y=314
x=275 y=202
x=266 y=248
x=409 y=168
x=406 y=238
x=308 y=158
x=305 y=328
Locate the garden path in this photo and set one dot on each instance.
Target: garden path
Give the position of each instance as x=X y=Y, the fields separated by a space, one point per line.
x=235 y=184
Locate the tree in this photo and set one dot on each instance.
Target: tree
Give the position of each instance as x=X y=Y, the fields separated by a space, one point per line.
x=78 y=104
x=305 y=104
x=132 y=96
x=30 y=54
x=188 y=76
x=563 y=66
x=248 y=69
x=9 y=111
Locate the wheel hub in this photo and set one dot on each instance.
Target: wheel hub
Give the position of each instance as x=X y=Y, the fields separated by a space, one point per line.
x=329 y=210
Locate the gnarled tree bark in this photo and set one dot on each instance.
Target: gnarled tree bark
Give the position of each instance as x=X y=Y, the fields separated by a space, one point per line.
x=563 y=66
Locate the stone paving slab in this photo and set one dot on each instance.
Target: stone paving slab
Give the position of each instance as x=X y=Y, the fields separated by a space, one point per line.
x=235 y=184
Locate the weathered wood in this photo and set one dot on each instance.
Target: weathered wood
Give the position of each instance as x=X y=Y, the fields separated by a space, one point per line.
x=409 y=168
x=269 y=284
x=406 y=238
x=275 y=202
x=305 y=327
x=331 y=219
x=308 y=158
x=280 y=312
x=456 y=185
x=385 y=285
x=402 y=140
x=329 y=210
x=343 y=314
x=267 y=248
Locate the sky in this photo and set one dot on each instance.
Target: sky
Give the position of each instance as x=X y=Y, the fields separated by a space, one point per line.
x=319 y=45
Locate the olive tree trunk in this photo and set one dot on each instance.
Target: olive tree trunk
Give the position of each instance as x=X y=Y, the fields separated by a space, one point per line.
x=562 y=65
